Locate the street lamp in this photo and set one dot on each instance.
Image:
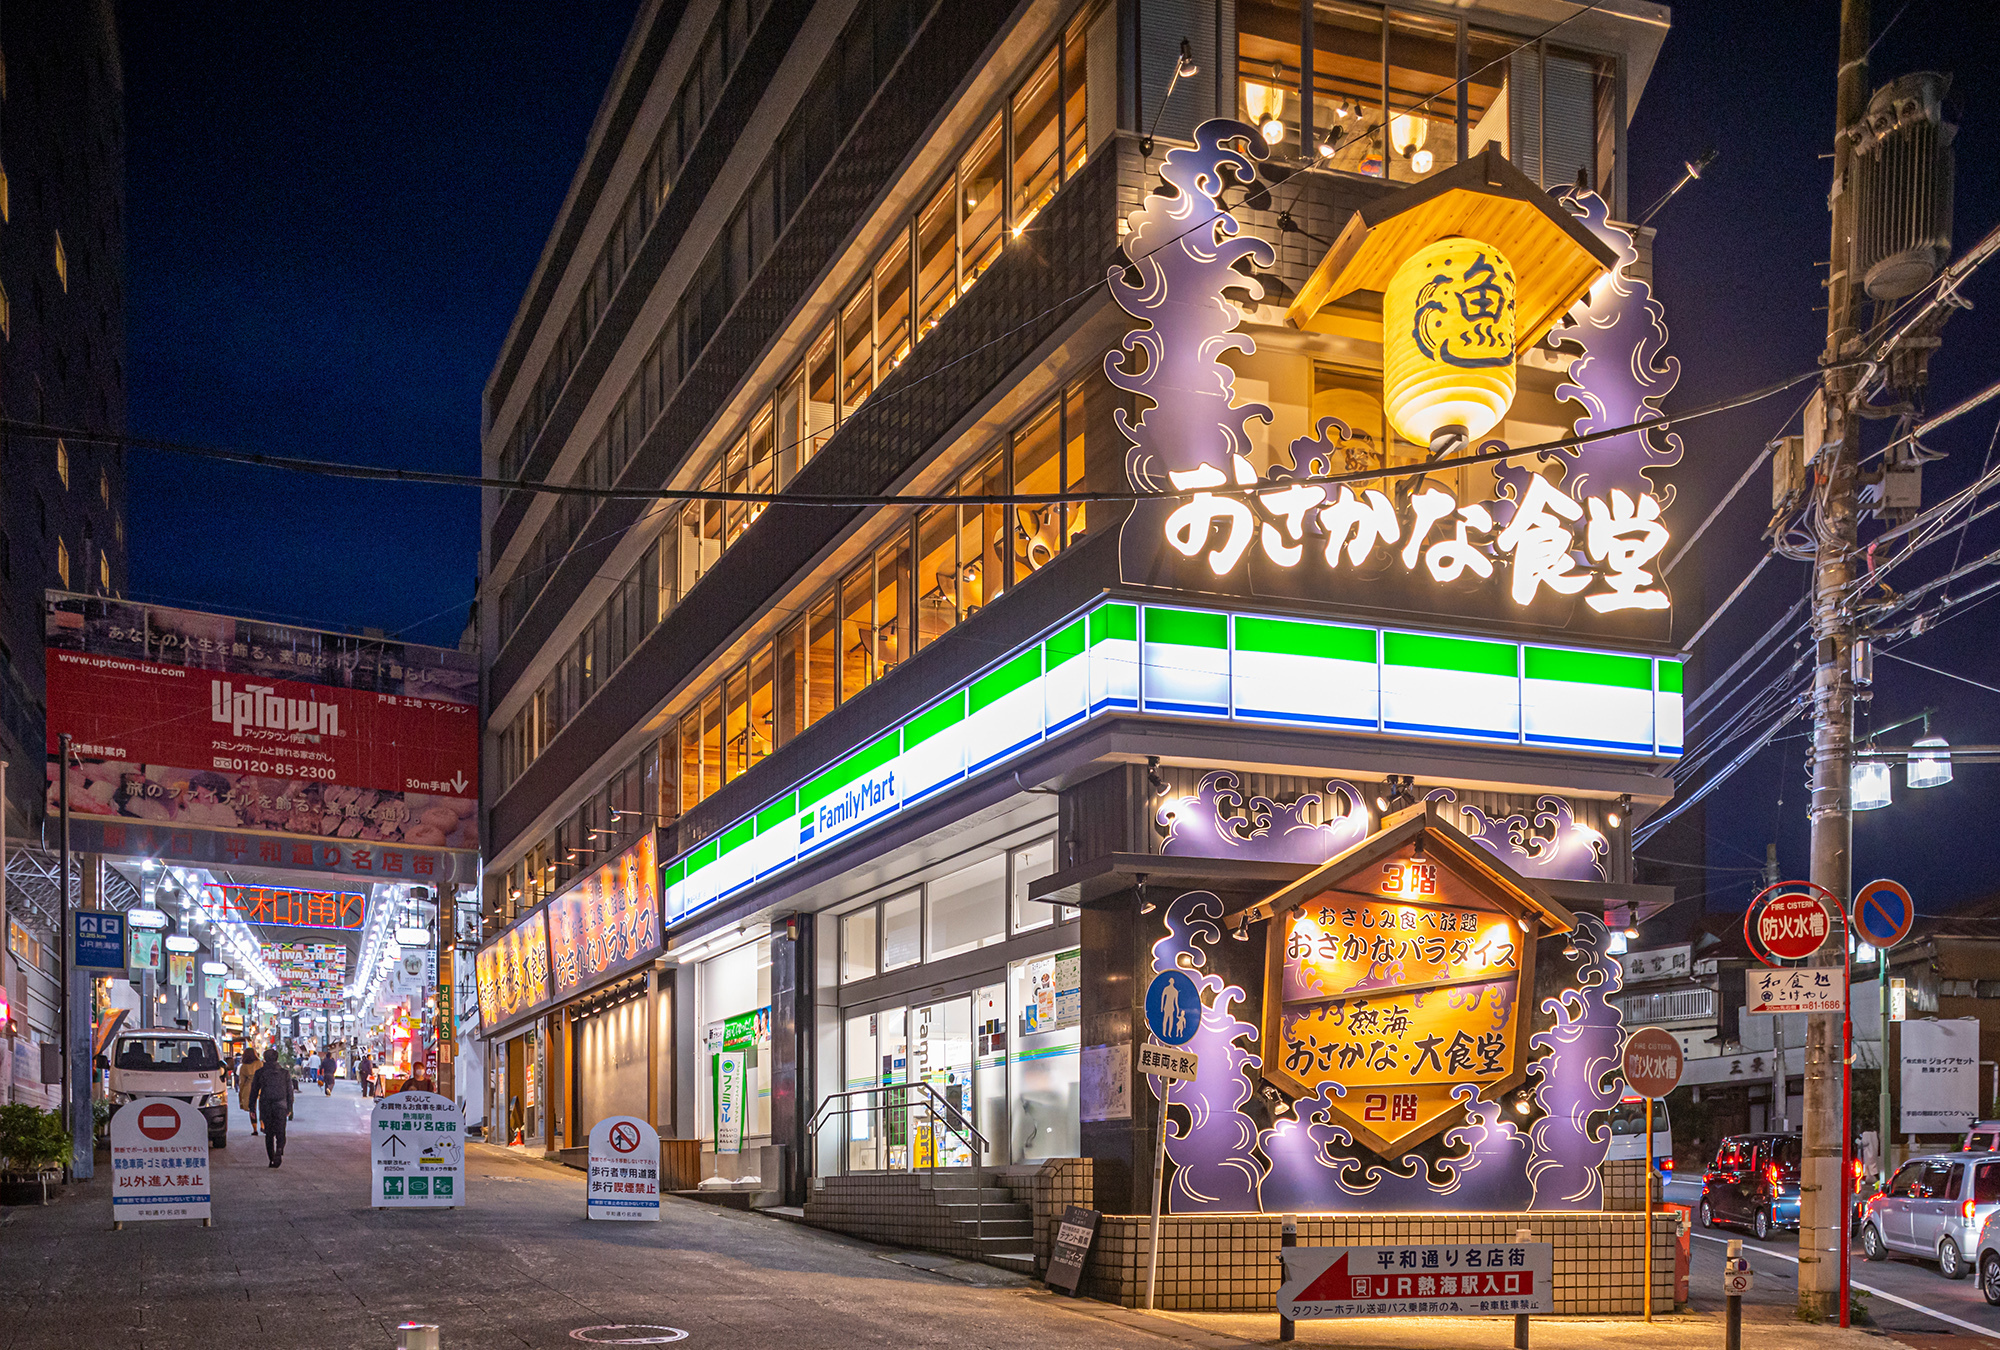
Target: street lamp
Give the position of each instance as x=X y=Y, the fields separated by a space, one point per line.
x=1930 y=762
x=1870 y=785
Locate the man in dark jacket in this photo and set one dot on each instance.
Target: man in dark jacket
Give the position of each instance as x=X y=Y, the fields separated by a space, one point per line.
x=271 y=1100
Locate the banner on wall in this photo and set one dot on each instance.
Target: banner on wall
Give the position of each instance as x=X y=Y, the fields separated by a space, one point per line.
x=180 y=968
x=513 y=972
x=142 y=948
x=608 y=922
x=732 y=1080
x=1940 y=1076
x=229 y=739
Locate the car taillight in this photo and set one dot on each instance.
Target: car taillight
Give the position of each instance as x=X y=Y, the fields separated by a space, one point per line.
x=1967 y=1207
x=1771 y=1172
x=1666 y=1164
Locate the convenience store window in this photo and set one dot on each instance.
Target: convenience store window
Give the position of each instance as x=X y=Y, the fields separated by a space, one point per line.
x=733 y=1007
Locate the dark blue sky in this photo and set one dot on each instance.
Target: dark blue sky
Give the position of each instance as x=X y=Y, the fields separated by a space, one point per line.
x=332 y=216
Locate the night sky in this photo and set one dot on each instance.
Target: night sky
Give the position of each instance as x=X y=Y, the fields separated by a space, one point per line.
x=332 y=217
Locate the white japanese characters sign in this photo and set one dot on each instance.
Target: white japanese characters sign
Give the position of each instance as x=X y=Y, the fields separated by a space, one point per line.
x=1497 y=1279
x=1798 y=990
x=159 y=1161
x=1940 y=1075
x=624 y=1170
x=417 y=1152
x=1164 y=1061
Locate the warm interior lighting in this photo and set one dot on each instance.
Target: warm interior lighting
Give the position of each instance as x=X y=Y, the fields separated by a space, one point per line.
x=1422 y=161
x=1448 y=342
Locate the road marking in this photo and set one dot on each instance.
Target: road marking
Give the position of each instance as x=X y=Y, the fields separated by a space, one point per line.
x=673 y=1334
x=1911 y=1304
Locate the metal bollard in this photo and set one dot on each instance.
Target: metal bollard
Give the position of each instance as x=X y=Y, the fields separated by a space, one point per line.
x=1288 y=1239
x=1521 y=1319
x=1735 y=1284
x=416 y=1336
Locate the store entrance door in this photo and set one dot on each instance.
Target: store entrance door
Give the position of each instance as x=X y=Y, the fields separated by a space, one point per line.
x=941 y=1055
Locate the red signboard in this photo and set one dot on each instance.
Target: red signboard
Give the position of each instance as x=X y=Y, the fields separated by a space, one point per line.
x=608 y=922
x=191 y=721
x=1791 y=927
x=1653 y=1062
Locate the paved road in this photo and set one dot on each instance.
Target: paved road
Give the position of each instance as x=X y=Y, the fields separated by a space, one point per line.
x=1900 y=1294
x=296 y=1259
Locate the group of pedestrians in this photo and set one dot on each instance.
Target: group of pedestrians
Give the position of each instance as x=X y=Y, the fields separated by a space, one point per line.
x=266 y=1090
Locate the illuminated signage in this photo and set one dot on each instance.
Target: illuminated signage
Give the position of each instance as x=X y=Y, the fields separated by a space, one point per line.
x=513 y=973
x=1570 y=538
x=1395 y=976
x=287 y=908
x=608 y=922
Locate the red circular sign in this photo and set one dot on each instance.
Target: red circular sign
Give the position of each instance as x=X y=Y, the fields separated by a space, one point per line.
x=159 y=1122
x=1652 y=1062
x=1792 y=927
x=624 y=1137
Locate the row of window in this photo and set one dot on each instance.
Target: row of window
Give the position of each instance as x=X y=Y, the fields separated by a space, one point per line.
x=722 y=46
x=934 y=570
x=602 y=826
x=1034 y=143
x=979 y=905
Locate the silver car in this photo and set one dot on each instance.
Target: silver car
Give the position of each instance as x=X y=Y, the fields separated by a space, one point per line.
x=1936 y=1208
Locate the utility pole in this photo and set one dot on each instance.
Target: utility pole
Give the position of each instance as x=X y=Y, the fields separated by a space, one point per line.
x=1823 y=1183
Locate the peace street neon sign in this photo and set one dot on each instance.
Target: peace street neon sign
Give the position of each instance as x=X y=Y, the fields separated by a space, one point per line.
x=1592 y=534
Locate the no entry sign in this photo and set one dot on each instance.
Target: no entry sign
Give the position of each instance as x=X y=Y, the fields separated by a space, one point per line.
x=159 y=1162
x=1652 y=1062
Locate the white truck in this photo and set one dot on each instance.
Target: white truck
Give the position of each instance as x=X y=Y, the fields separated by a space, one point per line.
x=164 y=1063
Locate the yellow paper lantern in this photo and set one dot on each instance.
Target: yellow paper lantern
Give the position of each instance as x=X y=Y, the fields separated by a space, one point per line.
x=1448 y=342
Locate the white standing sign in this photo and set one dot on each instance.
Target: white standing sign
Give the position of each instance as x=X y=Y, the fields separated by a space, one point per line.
x=159 y=1161
x=1484 y=1279
x=416 y=1151
x=624 y=1169
x=1940 y=1076
x=731 y=1073
x=1800 y=989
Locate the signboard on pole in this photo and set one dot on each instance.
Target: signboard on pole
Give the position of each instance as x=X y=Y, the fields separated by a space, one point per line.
x=100 y=940
x=1940 y=1076
x=416 y=1151
x=1791 y=927
x=1883 y=913
x=1653 y=1062
x=159 y=1162
x=1176 y=1066
x=1502 y=1279
x=1173 y=1007
x=1806 y=989
x=624 y=1170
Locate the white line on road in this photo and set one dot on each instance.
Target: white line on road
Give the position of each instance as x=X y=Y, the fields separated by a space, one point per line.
x=1926 y=1310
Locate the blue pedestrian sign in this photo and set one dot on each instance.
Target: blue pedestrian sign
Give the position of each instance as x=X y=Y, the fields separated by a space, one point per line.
x=1173 y=1008
x=100 y=940
x=1883 y=911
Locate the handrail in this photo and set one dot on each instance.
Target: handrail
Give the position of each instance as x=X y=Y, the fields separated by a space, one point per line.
x=940 y=1111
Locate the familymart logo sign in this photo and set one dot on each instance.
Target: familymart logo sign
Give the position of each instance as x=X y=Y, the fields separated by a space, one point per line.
x=850 y=806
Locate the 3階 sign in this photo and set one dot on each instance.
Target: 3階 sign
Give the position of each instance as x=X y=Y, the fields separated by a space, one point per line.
x=1490 y=1280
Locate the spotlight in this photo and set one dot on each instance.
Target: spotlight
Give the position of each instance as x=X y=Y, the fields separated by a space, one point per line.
x=1521 y=1107
x=1280 y=1104
x=1631 y=927
x=1326 y=149
x=1422 y=161
x=1272 y=130
x=1155 y=779
x=1242 y=933
x=1186 y=69
x=1145 y=906
x=1570 y=949
x=1622 y=808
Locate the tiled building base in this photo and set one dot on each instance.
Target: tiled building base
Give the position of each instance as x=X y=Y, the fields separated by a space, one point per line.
x=1229 y=1263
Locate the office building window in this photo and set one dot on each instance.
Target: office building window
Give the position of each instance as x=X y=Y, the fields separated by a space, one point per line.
x=62 y=562
x=62 y=263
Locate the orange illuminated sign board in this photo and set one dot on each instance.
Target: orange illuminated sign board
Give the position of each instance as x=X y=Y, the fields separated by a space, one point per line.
x=287 y=908
x=608 y=922
x=1395 y=975
x=513 y=973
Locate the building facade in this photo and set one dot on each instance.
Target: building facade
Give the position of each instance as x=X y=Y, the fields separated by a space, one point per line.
x=62 y=364
x=940 y=755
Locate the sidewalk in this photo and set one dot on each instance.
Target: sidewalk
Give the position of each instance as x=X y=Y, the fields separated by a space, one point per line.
x=1764 y=1328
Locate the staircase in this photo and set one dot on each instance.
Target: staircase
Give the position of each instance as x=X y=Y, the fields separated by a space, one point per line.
x=946 y=1213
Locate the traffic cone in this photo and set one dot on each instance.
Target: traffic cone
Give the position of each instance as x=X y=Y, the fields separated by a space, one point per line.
x=516 y=1140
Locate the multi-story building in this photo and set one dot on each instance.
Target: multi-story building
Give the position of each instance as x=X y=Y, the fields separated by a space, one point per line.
x=62 y=364
x=925 y=749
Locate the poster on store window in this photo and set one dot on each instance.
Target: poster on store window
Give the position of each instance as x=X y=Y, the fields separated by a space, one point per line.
x=1055 y=994
x=732 y=1074
x=142 y=948
x=1940 y=1076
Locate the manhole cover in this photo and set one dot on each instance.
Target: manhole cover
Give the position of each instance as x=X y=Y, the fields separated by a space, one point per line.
x=639 y=1335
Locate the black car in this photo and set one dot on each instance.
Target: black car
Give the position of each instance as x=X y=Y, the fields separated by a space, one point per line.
x=1753 y=1182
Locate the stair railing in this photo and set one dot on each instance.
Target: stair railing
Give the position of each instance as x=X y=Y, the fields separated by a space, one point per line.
x=914 y=1097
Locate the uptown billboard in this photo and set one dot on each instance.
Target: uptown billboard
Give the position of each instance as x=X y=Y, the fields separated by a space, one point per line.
x=230 y=729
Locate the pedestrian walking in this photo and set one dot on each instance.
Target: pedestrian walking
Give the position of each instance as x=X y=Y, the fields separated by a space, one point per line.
x=367 y=1076
x=271 y=1096
x=246 y=1073
x=326 y=1071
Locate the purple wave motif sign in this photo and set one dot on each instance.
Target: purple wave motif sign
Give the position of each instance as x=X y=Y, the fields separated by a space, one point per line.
x=1217 y=820
x=1223 y=1163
